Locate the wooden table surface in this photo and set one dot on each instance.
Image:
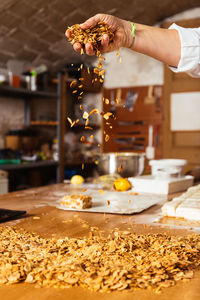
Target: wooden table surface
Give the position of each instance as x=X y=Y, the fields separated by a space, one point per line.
x=41 y=202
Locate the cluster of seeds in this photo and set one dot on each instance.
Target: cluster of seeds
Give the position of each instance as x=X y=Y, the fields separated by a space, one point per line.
x=92 y=35
x=122 y=260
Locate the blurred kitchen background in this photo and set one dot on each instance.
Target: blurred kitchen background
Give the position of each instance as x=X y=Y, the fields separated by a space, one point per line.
x=155 y=108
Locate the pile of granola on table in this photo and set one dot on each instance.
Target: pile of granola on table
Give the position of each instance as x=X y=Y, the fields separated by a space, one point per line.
x=119 y=261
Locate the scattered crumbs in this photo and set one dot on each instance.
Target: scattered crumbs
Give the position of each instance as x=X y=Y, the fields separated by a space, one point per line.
x=85 y=225
x=108 y=202
x=36 y=218
x=129 y=201
x=101 y=191
x=67 y=221
x=120 y=60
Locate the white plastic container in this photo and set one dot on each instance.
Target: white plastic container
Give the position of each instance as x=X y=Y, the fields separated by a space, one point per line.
x=167 y=168
x=154 y=185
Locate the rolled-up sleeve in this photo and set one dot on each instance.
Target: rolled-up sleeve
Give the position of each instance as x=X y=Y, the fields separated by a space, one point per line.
x=190 y=50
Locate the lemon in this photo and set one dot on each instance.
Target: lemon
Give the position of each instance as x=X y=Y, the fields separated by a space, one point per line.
x=121 y=184
x=77 y=179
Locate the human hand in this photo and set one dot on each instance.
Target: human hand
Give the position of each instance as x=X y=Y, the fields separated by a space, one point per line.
x=121 y=29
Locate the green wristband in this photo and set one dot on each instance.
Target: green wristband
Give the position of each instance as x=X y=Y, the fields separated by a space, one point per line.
x=133 y=27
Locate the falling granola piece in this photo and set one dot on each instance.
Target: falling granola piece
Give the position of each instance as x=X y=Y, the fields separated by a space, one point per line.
x=73 y=84
x=107 y=101
x=85 y=115
x=69 y=120
x=118 y=52
x=82 y=139
x=120 y=168
x=88 y=128
x=107 y=115
x=107 y=138
x=94 y=111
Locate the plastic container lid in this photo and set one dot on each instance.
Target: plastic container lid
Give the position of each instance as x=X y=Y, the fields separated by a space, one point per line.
x=168 y=162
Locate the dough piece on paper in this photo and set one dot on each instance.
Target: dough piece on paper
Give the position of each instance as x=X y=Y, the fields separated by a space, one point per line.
x=79 y=201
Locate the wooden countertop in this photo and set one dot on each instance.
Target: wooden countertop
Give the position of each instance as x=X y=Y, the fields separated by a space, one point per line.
x=41 y=202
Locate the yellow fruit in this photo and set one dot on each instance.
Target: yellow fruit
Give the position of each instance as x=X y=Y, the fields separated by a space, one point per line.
x=77 y=179
x=121 y=184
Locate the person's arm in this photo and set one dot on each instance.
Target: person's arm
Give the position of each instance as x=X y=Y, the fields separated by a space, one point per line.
x=161 y=44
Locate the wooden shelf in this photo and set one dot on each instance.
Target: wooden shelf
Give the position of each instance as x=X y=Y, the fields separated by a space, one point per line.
x=43 y=123
x=38 y=164
x=78 y=163
x=21 y=92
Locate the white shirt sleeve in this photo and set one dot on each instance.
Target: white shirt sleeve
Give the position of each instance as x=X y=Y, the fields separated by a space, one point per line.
x=190 y=50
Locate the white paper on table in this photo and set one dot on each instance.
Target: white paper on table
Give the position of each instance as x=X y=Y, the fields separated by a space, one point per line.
x=120 y=202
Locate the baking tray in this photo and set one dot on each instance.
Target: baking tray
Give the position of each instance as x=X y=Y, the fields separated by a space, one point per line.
x=117 y=202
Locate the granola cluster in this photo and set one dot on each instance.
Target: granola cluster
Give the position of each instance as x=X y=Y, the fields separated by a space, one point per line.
x=121 y=260
x=91 y=35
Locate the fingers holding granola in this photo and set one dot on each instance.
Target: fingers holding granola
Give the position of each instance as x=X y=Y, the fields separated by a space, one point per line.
x=92 y=39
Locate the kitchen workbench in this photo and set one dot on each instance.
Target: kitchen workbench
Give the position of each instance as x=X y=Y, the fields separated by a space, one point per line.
x=41 y=202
